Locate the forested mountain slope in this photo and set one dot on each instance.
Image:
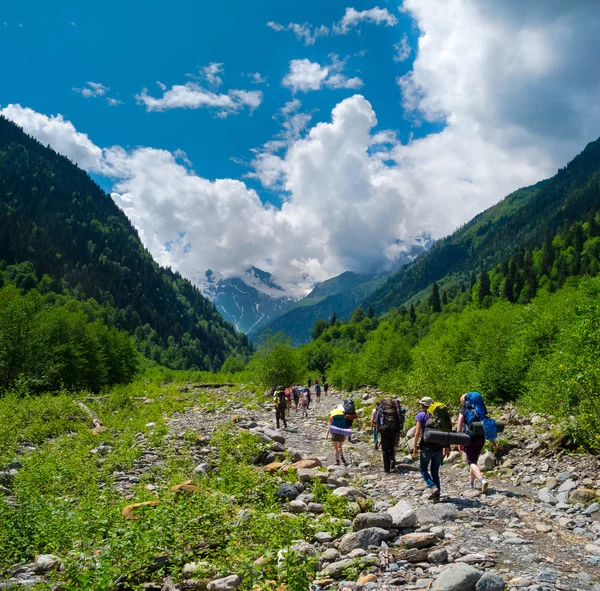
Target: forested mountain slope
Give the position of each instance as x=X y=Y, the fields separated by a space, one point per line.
x=520 y=220
x=54 y=216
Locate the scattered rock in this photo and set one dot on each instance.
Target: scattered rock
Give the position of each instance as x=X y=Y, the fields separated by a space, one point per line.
x=487 y=461
x=462 y=577
x=345 y=491
x=438 y=513
x=439 y=556
x=366 y=520
x=370 y=578
x=360 y=539
x=420 y=540
x=582 y=495
x=547 y=497
x=225 y=584
x=490 y=582
x=298 y=507
x=46 y=562
x=336 y=569
x=287 y=492
x=403 y=515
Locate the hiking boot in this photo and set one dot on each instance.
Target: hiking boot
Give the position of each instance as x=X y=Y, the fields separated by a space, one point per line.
x=393 y=464
x=344 y=461
x=484 y=486
x=434 y=494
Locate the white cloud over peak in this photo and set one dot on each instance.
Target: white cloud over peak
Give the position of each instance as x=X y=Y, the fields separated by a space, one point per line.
x=193 y=95
x=92 y=90
x=517 y=96
x=352 y=18
x=305 y=76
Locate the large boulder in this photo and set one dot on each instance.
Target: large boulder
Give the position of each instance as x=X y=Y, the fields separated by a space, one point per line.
x=360 y=539
x=490 y=582
x=274 y=435
x=546 y=496
x=438 y=513
x=487 y=461
x=287 y=492
x=366 y=520
x=460 y=577
x=46 y=562
x=335 y=570
x=422 y=539
x=403 y=515
x=311 y=463
x=582 y=495
x=347 y=492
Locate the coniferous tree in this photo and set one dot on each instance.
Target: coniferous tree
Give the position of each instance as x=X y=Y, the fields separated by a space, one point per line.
x=547 y=254
x=484 y=286
x=413 y=314
x=444 y=298
x=334 y=319
x=434 y=300
x=371 y=312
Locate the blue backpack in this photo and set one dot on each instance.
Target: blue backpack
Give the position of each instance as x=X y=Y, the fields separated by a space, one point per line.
x=477 y=411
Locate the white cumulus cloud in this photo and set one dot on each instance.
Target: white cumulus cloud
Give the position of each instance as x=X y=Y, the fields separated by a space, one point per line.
x=402 y=49
x=92 y=90
x=305 y=76
x=193 y=95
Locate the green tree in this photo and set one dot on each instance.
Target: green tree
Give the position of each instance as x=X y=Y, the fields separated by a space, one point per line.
x=371 y=312
x=434 y=299
x=318 y=327
x=277 y=363
x=484 y=286
x=413 y=314
x=357 y=316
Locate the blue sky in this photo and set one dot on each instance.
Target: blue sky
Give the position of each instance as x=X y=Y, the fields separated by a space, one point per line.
x=127 y=46
x=398 y=118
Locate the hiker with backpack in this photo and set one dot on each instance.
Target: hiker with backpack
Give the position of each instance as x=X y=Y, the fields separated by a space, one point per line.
x=389 y=419
x=305 y=402
x=309 y=382
x=288 y=401
x=350 y=415
x=474 y=411
x=280 y=401
x=339 y=432
x=325 y=387
x=318 y=391
x=375 y=426
x=296 y=395
x=432 y=416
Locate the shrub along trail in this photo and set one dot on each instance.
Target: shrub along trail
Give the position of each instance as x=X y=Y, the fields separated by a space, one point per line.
x=238 y=521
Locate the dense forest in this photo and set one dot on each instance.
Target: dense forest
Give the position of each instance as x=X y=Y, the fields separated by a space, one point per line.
x=60 y=232
x=520 y=220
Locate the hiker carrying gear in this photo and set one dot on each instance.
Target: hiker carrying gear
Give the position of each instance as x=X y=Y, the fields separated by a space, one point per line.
x=318 y=391
x=337 y=424
x=309 y=381
x=296 y=395
x=305 y=401
x=476 y=411
x=389 y=418
x=280 y=401
x=473 y=409
x=375 y=426
x=351 y=416
x=325 y=387
x=430 y=456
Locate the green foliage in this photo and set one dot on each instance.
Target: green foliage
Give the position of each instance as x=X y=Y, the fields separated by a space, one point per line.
x=233 y=364
x=277 y=363
x=318 y=328
x=61 y=235
x=47 y=346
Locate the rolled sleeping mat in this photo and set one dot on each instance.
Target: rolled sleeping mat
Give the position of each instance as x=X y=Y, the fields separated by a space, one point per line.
x=477 y=427
x=339 y=431
x=446 y=438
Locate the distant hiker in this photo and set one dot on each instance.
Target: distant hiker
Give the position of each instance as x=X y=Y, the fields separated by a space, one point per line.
x=474 y=410
x=305 y=402
x=323 y=380
x=350 y=414
x=431 y=455
x=325 y=387
x=318 y=391
x=375 y=426
x=296 y=395
x=288 y=401
x=389 y=418
x=338 y=430
x=280 y=402
x=316 y=381
x=309 y=381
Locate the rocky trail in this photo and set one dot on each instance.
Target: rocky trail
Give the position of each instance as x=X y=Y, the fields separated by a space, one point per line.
x=538 y=527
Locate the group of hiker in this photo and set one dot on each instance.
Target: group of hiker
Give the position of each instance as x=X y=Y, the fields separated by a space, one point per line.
x=433 y=435
x=433 y=432
x=297 y=397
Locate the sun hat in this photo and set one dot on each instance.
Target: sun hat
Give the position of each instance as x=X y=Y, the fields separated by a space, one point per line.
x=426 y=401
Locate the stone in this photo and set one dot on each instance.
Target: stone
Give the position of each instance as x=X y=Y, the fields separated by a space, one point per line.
x=298 y=507
x=462 y=577
x=99 y=429
x=593 y=549
x=543 y=528
x=323 y=537
x=287 y=492
x=370 y=578
x=551 y=483
x=520 y=582
x=438 y=513
x=567 y=486
x=315 y=508
x=330 y=555
x=547 y=497
x=593 y=508
x=304 y=549
x=201 y=469
x=308 y=464
x=225 y=584
x=487 y=461
x=563 y=476
x=490 y=582
x=305 y=474
x=347 y=492
x=336 y=569
x=582 y=495
x=271 y=434
x=472 y=558
x=273 y=467
x=420 y=540
x=439 y=556
x=403 y=515
x=359 y=539
x=46 y=562
x=365 y=520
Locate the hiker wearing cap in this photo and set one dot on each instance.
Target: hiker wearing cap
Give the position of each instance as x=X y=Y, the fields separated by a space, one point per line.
x=472 y=406
x=431 y=455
